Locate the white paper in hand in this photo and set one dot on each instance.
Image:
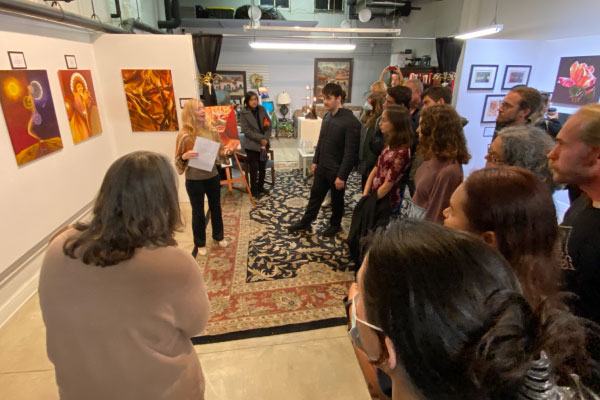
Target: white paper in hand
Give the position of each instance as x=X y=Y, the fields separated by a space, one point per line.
x=207 y=153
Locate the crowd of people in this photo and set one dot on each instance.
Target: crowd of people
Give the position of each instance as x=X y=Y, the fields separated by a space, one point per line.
x=465 y=288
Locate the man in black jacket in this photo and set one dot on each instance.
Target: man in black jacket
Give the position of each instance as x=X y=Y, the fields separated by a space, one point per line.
x=335 y=156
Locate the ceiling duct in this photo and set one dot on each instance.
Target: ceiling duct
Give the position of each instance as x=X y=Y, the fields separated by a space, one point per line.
x=381 y=8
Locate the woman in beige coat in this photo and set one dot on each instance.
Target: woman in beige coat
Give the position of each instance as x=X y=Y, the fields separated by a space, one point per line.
x=120 y=301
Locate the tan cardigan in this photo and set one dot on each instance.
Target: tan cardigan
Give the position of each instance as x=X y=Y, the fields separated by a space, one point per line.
x=123 y=332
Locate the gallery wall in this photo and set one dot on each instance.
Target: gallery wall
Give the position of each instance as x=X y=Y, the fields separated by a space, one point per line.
x=117 y=52
x=291 y=71
x=43 y=194
x=544 y=57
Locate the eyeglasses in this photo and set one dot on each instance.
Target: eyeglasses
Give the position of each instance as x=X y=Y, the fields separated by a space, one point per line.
x=493 y=158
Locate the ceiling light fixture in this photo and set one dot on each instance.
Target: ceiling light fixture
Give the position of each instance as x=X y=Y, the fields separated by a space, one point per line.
x=302 y=46
x=325 y=30
x=490 y=30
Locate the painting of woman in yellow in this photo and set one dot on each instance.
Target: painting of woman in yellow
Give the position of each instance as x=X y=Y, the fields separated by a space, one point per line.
x=80 y=103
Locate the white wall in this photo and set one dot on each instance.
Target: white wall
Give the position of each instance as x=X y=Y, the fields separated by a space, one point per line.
x=116 y=52
x=544 y=57
x=291 y=71
x=470 y=102
x=44 y=194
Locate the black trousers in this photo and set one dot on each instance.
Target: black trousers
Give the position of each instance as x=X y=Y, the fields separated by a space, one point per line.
x=324 y=181
x=196 y=190
x=257 y=171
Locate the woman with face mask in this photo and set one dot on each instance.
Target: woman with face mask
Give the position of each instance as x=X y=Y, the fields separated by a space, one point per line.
x=444 y=316
x=367 y=159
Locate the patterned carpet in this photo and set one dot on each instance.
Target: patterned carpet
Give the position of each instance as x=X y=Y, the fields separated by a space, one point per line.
x=276 y=282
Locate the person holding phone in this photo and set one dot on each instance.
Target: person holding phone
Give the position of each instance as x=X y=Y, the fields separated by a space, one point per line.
x=198 y=182
x=396 y=77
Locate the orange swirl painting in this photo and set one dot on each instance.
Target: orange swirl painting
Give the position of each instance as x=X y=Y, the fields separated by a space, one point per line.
x=29 y=112
x=80 y=102
x=150 y=100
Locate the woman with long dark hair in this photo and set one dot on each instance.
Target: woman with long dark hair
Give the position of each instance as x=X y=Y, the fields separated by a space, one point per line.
x=386 y=176
x=256 y=127
x=366 y=157
x=444 y=316
x=512 y=210
x=120 y=301
x=199 y=183
x=443 y=145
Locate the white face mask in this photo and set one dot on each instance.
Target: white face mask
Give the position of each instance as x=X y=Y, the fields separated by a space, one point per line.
x=368 y=106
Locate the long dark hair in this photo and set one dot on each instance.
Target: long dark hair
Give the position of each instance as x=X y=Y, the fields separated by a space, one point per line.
x=399 y=117
x=442 y=134
x=137 y=206
x=249 y=96
x=455 y=313
x=369 y=118
x=517 y=206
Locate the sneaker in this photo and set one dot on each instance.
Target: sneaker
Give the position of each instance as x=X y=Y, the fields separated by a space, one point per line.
x=299 y=226
x=199 y=250
x=223 y=243
x=331 y=231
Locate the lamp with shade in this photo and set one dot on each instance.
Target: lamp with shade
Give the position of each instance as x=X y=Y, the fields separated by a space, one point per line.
x=283 y=100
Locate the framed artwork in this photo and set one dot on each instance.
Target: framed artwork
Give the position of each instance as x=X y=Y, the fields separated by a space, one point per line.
x=491 y=107
x=232 y=82
x=516 y=75
x=336 y=70
x=33 y=129
x=222 y=118
x=183 y=100
x=576 y=82
x=482 y=77
x=150 y=100
x=71 y=61
x=80 y=102
x=488 y=131
x=17 y=60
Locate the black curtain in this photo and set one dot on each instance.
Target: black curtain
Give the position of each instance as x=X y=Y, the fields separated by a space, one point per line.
x=207 y=49
x=448 y=52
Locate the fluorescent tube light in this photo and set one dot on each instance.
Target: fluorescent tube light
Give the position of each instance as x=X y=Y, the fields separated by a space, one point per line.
x=490 y=30
x=302 y=46
x=322 y=30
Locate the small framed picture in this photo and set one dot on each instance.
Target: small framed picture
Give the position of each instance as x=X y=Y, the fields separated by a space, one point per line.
x=491 y=107
x=71 y=61
x=516 y=75
x=488 y=131
x=183 y=100
x=483 y=77
x=17 y=60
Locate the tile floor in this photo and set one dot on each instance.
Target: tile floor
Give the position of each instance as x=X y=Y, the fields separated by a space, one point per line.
x=318 y=364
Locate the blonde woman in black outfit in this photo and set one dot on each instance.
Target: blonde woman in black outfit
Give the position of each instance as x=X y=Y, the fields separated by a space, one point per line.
x=256 y=127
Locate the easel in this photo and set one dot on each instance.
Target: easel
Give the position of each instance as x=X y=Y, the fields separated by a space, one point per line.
x=230 y=181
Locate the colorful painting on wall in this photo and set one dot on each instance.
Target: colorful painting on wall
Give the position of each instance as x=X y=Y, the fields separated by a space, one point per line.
x=150 y=100
x=232 y=82
x=223 y=119
x=336 y=70
x=576 y=82
x=80 y=102
x=29 y=112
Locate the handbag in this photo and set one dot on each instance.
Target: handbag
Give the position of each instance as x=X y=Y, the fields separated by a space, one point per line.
x=408 y=209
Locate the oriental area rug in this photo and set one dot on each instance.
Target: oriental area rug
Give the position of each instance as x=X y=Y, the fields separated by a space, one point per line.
x=269 y=281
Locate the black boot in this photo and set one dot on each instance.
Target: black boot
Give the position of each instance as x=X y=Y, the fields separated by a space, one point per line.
x=299 y=226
